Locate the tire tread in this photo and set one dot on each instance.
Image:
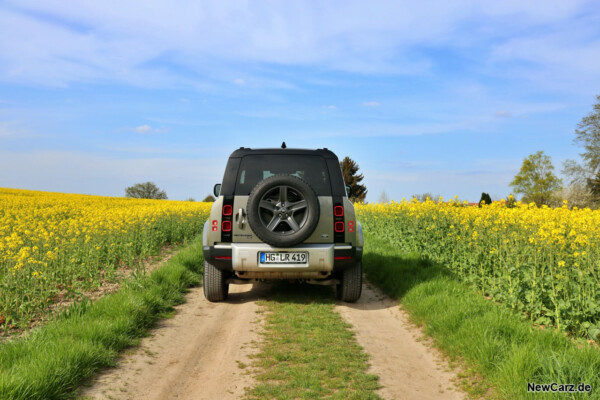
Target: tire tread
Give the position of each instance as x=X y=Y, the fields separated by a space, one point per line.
x=350 y=287
x=214 y=283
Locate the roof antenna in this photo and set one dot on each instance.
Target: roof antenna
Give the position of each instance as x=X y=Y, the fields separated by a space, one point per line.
x=283 y=146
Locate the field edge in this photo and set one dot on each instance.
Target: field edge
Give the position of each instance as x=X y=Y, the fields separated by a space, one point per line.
x=501 y=351
x=54 y=359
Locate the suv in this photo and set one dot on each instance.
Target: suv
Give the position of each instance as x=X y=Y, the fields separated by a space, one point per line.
x=282 y=214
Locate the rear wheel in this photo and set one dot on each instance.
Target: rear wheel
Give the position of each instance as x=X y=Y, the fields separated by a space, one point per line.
x=350 y=287
x=214 y=283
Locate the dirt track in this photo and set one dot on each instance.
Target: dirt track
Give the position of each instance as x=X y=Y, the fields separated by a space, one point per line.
x=197 y=354
x=407 y=368
x=202 y=352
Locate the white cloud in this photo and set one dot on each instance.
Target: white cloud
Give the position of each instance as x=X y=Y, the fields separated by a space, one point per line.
x=147 y=129
x=563 y=58
x=502 y=114
x=371 y=104
x=5 y=130
x=54 y=43
x=329 y=107
x=11 y=129
x=373 y=130
x=239 y=82
x=143 y=129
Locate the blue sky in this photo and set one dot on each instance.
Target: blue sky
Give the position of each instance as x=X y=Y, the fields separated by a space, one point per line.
x=441 y=97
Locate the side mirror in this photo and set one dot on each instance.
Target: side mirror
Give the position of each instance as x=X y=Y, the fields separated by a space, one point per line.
x=217 y=189
x=348 y=190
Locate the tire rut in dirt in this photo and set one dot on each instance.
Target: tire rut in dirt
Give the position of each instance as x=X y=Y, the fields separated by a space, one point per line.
x=407 y=366
x=201 y=353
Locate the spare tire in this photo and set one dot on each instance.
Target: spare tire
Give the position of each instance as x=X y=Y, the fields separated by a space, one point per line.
x=283 y=210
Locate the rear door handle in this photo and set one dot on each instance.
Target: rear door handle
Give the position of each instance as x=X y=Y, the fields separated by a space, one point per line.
x=240 y=218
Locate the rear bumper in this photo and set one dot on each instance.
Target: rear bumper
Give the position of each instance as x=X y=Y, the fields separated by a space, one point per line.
x=219 y=256
x=346 y=256
x=324 y=259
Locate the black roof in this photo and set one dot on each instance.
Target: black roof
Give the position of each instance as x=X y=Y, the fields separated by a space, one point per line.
x=243 y=151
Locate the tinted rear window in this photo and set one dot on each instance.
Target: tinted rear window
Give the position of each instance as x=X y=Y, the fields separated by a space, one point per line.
x=255 y=168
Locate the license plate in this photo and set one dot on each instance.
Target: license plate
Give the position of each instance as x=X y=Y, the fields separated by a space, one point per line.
x=284 y=257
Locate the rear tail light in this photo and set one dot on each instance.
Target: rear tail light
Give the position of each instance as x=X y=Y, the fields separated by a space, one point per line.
x=226 y=219
x=338 y=211
x=226 y=226
x=338 y=221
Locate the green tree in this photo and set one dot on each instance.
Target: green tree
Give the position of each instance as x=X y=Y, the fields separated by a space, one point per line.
x=350 y=168
x=576 y=194
x=485 y=199
x=209 y=199
x=587 y=135
x=424 y=196
x=146 y=190
x=594 y=185
x=536 y=179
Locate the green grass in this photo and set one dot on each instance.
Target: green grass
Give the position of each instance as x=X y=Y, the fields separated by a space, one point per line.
x=497 y=345
x=54 y=359
x=309 y=352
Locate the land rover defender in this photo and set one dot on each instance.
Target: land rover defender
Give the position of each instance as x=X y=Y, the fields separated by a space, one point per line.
x=282 y=214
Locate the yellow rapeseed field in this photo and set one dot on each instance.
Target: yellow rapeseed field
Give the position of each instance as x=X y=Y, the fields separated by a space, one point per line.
x=53 y=243
x=542 y=261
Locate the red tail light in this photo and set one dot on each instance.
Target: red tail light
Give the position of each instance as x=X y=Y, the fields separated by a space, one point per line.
x=226 y=226
x=339 y=226
x=227 y=209
x=338 y=211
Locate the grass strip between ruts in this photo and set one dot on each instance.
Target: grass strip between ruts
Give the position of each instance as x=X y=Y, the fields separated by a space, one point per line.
x=308 y=351
x=497 y=344
x=54 y=359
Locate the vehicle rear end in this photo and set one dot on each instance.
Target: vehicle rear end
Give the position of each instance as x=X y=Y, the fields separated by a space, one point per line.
x=282 y=214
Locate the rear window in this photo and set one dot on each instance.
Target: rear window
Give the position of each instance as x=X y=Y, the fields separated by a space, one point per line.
x=255 y=168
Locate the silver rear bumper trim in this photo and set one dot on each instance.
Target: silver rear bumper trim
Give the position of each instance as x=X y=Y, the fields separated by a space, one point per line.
x=244 y=257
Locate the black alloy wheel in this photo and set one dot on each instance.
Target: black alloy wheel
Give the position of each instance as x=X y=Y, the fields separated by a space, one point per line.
x=283 y=210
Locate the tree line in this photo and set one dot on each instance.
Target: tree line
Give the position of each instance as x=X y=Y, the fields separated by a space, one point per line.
x=538 y=183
